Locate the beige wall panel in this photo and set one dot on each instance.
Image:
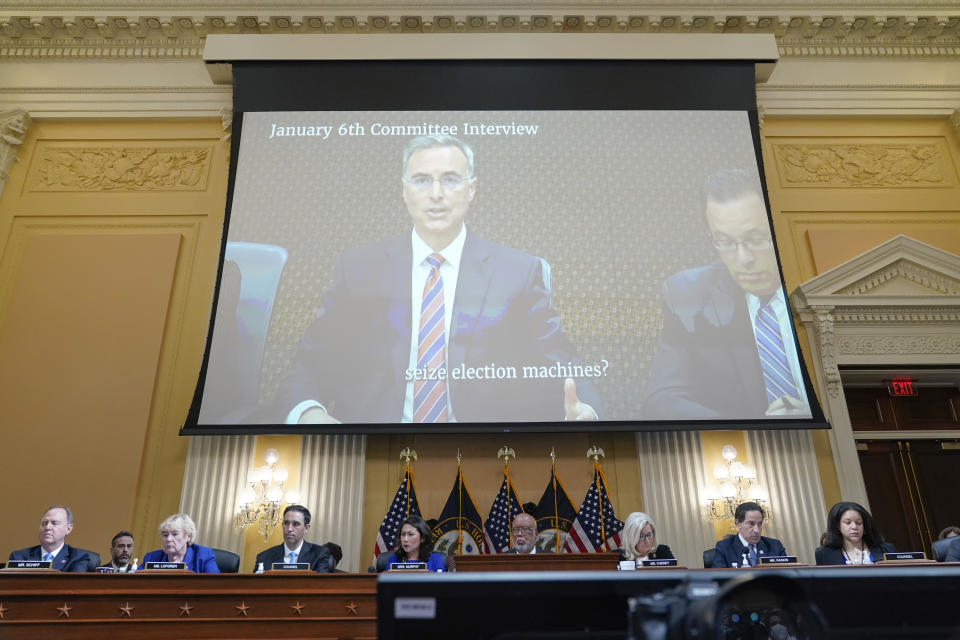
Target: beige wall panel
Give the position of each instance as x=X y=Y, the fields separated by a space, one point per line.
x=77 y=366
x=436 y=469
x=841 y=186
x=123 y=222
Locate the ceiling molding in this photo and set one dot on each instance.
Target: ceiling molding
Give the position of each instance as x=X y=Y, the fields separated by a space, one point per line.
x=929 y=31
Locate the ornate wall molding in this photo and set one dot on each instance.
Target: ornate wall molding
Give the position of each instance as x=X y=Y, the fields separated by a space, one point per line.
x=128 y=168
x=13 y=130
x=907 y=270
x=823 y=330
x=860 y=165
x=33 y=33
x=900 y=344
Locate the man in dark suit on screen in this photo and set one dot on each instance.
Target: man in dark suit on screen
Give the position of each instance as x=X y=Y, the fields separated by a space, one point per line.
x=727 y=347
x=296 y=522
x=746 y=547
x=55 y=525
x=437 y=325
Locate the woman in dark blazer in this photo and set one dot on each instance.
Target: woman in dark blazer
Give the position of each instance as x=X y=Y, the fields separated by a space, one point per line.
x=639 y=539
x=851 y=537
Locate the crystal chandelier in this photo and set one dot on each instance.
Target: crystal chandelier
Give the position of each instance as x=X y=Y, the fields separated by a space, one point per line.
x=264 y=500
x=736 y=484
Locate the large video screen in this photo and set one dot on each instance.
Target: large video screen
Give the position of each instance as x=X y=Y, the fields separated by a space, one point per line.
x=499 y=269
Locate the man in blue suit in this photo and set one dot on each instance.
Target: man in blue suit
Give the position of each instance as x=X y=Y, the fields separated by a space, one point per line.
x=55 y=525
x=437 y=326
x=727 y=347
x=746 y=547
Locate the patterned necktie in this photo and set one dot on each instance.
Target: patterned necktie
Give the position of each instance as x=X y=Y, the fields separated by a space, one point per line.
x=293 y=557
x=773 y=359
x=754 y=559
x=48 y=557
x=430 y=396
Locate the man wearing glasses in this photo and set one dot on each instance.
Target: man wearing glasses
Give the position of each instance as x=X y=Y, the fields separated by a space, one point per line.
x=435 y=326
x=524 y=530
x=727 y=348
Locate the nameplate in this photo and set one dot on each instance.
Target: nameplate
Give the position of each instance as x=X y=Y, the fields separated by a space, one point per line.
x=662 y=562
x=165 y=566
x=290 y=566
x=627 y=565
x=905 y=555
x=778 y=560
x=408 y=566
x=29 y=564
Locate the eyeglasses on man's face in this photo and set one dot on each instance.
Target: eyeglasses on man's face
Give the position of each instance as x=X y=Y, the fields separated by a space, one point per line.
x=448 y=181
x=753 y=244
x=524 y=530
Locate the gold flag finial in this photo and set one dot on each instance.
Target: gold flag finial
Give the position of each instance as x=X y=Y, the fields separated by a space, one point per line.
x=407 y=455
x=553 y=455
x=506 y=452
x=459 y=457
x=595 y=453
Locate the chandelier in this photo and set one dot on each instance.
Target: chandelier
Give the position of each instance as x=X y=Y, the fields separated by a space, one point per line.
x=263 y=501
x=736 y=484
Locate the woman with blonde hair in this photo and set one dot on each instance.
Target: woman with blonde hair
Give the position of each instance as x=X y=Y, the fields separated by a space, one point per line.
x=179 y=533
x=639 y=539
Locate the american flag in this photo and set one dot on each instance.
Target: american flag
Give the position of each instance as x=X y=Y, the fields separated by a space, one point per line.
x=404 y=504
x=496 y=530
x=596 y=527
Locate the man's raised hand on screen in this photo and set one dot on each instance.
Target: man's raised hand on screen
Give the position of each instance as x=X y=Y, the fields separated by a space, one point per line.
x=317 y=415
x=572 y=407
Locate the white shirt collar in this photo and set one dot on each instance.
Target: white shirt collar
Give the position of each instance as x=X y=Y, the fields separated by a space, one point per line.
x=744 y=542
x=451 y=253
x=55 y=552
x=287 y=550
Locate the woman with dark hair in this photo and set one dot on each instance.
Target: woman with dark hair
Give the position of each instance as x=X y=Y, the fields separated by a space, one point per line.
x=416 y=545
x=851 y=537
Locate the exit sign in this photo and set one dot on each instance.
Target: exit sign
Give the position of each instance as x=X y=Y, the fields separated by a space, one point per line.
x=901 y=387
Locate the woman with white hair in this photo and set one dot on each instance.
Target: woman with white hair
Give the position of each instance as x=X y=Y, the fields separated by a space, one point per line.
x=639 y=539
x=179 y=533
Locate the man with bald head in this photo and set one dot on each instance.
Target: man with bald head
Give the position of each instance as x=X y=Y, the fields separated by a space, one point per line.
x=55 y=525
x=524 y=530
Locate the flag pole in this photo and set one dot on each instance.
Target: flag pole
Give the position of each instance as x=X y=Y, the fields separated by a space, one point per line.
x=406 y=455
x=556 y=509
x=506 y=452
x=595 y=453
x=459 y=503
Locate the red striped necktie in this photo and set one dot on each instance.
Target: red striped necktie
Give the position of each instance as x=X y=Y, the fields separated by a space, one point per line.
x=430 y=396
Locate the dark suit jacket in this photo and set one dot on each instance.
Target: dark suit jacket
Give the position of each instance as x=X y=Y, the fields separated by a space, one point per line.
x=829 y=555
x=707 y=364
x=316 y=554
x=502 y=315
x=662 y=552
x=953 y=551
x=198 y=559
x=730 y=551
x=70 y=559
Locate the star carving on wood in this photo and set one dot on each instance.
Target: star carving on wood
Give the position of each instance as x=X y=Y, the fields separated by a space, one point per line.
x=126 y=610
x=64 y=610
x=3 y=610
x=185 y=609
x=298 y=608
x=351 y=607
x=242 y=608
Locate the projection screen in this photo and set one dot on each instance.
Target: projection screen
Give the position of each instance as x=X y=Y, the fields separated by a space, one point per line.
x=599 y=232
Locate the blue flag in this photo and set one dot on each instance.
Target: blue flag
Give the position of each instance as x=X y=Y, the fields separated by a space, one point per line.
x=459 y=528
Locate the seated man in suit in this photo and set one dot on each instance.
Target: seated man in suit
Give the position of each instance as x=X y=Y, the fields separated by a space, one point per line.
x=953 y=551
x=55 y=525
x=727 y=347
x=121 y=551
x=747 y=547
x=296 y=522
x=524 y=530
x=412 y=326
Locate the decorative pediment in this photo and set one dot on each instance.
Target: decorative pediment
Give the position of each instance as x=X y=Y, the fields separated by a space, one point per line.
x=901 y=271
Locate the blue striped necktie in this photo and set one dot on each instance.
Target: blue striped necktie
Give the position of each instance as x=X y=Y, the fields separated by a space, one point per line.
x=430 y=396
x=777 y=376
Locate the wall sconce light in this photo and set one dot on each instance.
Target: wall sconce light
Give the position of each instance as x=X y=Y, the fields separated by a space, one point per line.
x=735 y=483
x=264 y=499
